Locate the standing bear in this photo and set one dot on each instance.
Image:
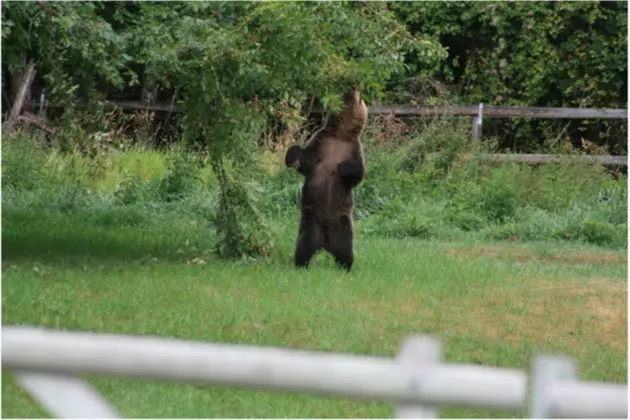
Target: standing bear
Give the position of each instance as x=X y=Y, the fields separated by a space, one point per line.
x=332 y=164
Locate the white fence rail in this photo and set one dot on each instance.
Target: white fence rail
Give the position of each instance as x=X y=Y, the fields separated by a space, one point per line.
x=48 y=363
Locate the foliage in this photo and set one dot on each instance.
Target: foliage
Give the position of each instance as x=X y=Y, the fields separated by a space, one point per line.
x=22 y=163
x=164 y=196
x=232 y=63
x=70 y=42
x=180 y=180
x=553 y=54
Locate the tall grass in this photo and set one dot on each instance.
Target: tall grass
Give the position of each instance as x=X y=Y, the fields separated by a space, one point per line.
x=419 y=184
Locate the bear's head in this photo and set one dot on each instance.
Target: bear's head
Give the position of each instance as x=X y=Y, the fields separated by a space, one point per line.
x=353 y=118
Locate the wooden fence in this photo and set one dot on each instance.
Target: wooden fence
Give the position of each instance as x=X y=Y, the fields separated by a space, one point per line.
x=423 y=111
x=48 y=364
x=477 y=113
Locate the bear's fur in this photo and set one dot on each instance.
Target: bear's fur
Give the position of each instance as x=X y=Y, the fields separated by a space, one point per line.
x=333 y=165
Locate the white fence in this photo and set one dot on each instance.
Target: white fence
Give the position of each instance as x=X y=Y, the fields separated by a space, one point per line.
x=48 y=364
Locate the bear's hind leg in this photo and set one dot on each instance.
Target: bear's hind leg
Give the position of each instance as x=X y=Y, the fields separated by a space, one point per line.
x=340 y=244
x=310 y=240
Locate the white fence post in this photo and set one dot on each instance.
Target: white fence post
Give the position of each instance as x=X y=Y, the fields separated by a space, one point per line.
x=418 y=353
x=66 y=396
x=477 y=123
x=545 y=371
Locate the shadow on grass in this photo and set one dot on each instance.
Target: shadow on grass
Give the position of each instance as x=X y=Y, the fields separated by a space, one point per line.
x=68 y=240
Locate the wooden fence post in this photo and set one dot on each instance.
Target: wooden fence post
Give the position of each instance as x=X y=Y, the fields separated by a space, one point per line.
x=418 y=353
x=546 y=370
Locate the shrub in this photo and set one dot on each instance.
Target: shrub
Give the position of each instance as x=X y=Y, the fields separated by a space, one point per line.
x=180 y=180
x=22 y=162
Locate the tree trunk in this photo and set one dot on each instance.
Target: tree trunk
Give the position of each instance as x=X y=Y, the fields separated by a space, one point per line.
x=20 y=97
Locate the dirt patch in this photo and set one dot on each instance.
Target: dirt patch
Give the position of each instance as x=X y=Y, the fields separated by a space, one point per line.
x=524 y=255
x=541 y=311
x=560 y=312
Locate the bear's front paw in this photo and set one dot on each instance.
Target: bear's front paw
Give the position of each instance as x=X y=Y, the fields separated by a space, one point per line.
x=346 y=168
x=292 y=158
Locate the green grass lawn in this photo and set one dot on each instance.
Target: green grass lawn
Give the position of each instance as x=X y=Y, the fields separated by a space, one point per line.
x=492 y=304
x=114 y=250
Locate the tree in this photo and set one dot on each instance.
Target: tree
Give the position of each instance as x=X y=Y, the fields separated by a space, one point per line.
x=236 y=62
x=71 y=44
x=550 y=54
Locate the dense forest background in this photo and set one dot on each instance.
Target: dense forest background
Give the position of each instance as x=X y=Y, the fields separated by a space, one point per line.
x=286 y=56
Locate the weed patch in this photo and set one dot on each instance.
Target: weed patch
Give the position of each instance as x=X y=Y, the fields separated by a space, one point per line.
x=173 y=196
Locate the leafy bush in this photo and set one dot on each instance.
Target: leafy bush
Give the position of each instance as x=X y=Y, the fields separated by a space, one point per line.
x=548 y=54
x=469 y=200
x=22 y=163
x=134 y=189
x=496 y=197
x=180 y=180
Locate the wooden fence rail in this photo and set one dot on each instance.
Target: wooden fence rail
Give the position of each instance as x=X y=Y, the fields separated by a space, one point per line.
x=537 y=159
x=477 y=112
x=422 y=111
x=499 y=112
x=48 y=364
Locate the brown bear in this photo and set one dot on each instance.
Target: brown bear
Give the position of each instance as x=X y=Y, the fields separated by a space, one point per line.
x=333 y=165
